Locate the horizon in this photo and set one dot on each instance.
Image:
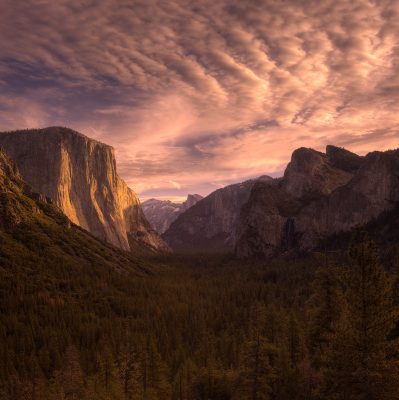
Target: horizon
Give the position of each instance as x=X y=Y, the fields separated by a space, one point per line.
x=194 y=97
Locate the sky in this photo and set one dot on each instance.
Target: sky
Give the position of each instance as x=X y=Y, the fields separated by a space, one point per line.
x=195 y=95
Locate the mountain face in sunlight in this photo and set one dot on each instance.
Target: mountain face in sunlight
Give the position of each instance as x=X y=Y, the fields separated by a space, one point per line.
x=79 y=175
x=34 y=232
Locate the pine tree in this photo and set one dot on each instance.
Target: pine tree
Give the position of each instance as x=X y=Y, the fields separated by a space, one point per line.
x=296 y=342
x=361 y=363
x=324 y=310
x=154 y=373
x=108 y=378
x=183 y=381
x=72 y=375
x=257 y=373
x=130 y=374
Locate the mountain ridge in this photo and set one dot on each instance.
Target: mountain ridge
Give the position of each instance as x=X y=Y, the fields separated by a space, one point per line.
x=322 y=195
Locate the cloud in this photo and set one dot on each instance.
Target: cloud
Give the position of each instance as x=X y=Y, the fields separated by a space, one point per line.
x=203 y=93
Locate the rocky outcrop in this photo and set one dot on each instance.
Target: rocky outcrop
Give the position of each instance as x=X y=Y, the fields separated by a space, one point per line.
x=79 y=175
x=310 y=174
x=318 y=196
x=191 y=200
x=210 y=225
x=161 y=213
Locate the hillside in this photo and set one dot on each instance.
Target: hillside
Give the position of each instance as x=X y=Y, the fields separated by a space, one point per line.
x=210 y=225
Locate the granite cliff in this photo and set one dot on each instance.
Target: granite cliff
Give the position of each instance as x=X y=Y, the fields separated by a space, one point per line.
x=35 y=235
x=161 y=213
x=79 y=175
x=320 y=194
x=210 y=225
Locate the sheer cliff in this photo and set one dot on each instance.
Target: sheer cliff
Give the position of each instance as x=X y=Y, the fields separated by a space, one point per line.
x=79 y=175
x=36 y=235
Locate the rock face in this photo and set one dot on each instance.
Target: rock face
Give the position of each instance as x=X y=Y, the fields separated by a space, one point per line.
x=318 y=196
x=34 y=232
x=161 y=213
x=191 y=200
x=79 y=175
x=210 y=225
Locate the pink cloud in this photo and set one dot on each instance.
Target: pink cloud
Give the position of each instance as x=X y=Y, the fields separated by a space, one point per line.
x=172 y=85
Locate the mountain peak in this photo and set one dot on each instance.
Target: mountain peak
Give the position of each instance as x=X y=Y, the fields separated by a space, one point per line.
x=191 y=200
x=310 y=173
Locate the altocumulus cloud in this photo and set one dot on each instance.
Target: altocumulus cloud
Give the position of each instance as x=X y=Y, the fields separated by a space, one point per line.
x=195 y=95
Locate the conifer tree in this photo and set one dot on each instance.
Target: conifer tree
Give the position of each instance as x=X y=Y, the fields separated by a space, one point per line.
x=108 y=377
x=155 y=374
x=72 y=375
x=130 y=374
x=361 y=362
x=257 y=373
x=324 y=310
x=296 y=342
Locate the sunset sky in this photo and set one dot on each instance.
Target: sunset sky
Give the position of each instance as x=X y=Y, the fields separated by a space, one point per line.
x=195 y=95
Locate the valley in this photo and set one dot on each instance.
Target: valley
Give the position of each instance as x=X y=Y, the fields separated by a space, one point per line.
x=83 y=318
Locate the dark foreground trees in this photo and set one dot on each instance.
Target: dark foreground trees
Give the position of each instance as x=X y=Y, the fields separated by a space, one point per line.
x=201 y=328
x=362 y=360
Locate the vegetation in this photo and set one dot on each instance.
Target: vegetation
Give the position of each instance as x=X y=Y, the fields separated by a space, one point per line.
x=199 y=328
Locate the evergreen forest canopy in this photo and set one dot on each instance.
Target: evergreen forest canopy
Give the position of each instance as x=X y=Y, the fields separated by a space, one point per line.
x=203 y=327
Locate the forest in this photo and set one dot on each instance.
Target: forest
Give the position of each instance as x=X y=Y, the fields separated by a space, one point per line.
x=322 y=326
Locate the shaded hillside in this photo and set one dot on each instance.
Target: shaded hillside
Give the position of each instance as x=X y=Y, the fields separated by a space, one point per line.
x=383 y=230
x=210 y=225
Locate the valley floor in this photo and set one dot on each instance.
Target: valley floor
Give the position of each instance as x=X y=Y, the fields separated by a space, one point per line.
x=201 y=327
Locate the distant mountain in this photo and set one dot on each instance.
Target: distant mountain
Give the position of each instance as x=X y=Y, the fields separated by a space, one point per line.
x=320 y=195
x=210 y=225
x=161 y=213
x=79 y=175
